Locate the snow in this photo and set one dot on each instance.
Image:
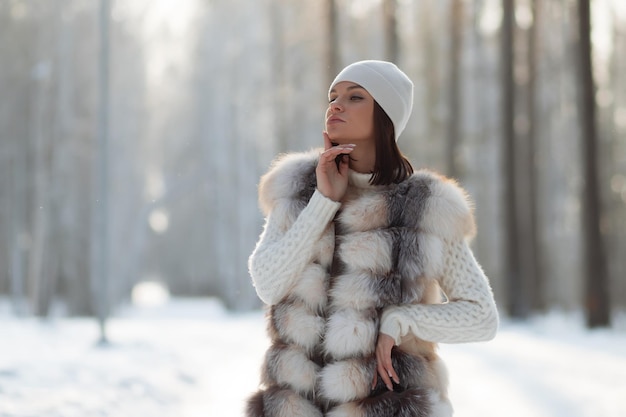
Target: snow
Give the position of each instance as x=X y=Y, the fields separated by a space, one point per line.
x=190 y=358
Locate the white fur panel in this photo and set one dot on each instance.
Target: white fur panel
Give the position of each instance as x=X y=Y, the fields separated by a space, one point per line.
x=350 y=332
x=289 y=404
x=295 y=369
x=285 y=178
x=448 y=211
x=367 y=251
x=345 y=381
x=366 y=212
x=440 y=373
x=353 y=291
x=298 y=324
x=284 y=214
x=311 y=286
x=431 y=250
x=440 y=407
x=326 y=246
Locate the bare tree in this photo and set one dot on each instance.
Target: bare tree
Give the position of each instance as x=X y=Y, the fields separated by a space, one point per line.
x=100 y=258
x=535 y=273
x=392 y=47
x=517 y=305
x=332 y=57
x=454 y=104
x=597 y=301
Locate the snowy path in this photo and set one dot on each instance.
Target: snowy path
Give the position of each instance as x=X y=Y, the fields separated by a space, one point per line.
x=193 y=359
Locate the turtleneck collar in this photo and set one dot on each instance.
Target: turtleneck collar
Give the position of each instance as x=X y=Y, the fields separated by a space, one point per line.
x=359 y=180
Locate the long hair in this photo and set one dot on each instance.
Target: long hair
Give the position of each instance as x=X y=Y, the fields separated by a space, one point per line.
x=391 y=166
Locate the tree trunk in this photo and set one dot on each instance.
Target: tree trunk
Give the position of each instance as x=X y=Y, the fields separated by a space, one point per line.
x=332 y=58
x=454 y=105
x=391 y=30
x=517 y=305
x=100 y=236
x=536 y=277
x=597 y=301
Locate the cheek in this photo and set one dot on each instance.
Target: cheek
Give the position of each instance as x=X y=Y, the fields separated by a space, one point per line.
x=367 y=121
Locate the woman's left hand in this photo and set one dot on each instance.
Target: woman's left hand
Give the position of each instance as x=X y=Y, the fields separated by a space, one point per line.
x=384 y=366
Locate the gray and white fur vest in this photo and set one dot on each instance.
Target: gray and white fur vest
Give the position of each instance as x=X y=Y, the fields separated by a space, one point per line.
x=384 y=247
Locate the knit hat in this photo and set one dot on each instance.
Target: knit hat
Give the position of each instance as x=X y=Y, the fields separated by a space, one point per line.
x=390 y=87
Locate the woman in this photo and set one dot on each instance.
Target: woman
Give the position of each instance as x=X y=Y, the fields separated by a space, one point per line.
x=365 y=266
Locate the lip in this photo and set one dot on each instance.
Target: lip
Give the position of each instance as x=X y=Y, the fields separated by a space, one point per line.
x=334 y=119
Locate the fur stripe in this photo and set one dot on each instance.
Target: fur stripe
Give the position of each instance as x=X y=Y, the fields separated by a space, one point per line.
x=363 y=212
x=276 y=402
x=354 y=291
x=285 y=365
x=312 y=286
x=347 y=380
x=291 y=176
x=351 y=332
x=294 y=322
x=414 y=402
x=367 y=251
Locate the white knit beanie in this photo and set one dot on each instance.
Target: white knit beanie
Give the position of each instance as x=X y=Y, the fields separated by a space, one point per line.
x=390 y=87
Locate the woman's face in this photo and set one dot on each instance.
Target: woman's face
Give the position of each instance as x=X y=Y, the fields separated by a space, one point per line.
x=350 y=114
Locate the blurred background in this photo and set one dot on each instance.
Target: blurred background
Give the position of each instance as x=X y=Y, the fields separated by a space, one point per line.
x=133 y=134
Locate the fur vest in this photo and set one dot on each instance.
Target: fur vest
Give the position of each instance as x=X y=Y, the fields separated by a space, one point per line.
x=384 y=247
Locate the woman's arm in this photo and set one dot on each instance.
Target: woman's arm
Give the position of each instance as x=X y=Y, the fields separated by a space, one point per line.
x=280 y=256
x=470 y=314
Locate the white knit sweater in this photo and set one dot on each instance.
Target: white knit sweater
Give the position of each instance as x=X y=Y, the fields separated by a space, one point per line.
x=469 y=314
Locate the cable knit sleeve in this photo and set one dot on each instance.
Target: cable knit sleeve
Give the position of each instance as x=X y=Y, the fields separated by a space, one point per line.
x=470 y=314
x=280 y=255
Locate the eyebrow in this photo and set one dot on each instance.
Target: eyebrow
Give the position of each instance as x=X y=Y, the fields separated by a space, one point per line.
x=352 y=87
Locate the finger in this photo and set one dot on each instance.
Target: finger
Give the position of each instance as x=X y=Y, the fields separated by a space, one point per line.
x=333 y=152
x=393 y=375
x=343 y=164
x=327 y=143
x=375 y=380
x=385 y=377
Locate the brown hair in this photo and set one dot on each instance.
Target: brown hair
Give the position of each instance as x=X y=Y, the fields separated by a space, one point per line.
x=391 y=165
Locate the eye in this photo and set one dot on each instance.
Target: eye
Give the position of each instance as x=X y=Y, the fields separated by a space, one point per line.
x=356 y=98
x=332 y=99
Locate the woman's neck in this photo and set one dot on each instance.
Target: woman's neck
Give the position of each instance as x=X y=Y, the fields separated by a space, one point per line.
x=363 y=158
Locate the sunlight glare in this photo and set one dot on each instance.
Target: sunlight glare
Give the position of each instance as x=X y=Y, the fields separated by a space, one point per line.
x=523 y=15
x=150 y=294
x=155 y=186
x=360 y=8
x=159 y=221
x=619 y=117
x=490 y=17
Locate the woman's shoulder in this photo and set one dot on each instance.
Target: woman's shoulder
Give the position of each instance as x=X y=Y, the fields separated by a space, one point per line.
x=444 y=207
x=291 y=175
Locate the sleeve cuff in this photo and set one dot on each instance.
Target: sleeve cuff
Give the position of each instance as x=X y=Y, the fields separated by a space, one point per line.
x=321 y=208
x=390 y=325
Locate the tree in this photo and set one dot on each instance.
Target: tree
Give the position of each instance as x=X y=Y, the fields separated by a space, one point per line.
x=100 y=267
x=535 y=273
x=332 y=57
x=391 y=30
x=597 y=301
x=456 y=32
x=517 y=305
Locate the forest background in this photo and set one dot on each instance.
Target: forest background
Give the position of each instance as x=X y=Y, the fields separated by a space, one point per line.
x=133 y=135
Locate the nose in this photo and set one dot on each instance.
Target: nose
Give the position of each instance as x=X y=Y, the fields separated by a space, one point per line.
x=335 y=106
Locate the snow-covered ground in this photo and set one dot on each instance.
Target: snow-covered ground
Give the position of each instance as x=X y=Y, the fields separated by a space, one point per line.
x=191 y=358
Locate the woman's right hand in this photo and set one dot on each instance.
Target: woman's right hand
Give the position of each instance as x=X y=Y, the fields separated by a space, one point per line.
x=332 y=178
